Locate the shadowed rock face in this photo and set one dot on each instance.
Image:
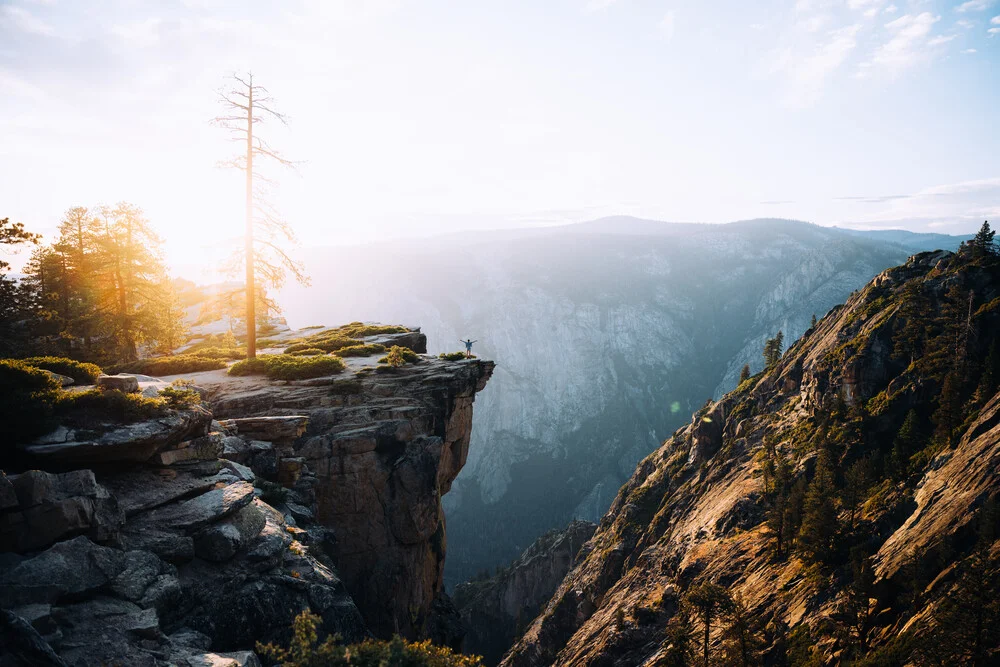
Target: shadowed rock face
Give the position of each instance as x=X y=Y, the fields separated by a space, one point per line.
x=383 y=448
x=495 y=610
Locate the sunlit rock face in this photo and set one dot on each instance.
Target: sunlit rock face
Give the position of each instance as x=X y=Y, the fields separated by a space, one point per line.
x=607 y=336
x=381 y=449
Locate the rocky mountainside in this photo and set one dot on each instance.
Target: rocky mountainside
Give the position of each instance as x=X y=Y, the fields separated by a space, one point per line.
x=837 y=507
x=496 y=609
x=608 y=335
x=186 y=538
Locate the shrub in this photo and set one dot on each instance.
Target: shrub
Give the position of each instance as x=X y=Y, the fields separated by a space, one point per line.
x=272 y=493
x=360 y=350
x=180 y=363
x=288 y=366
x=306 y=651
x=308 y=352
x=219 y=352
x=29 y=396
x=81 y=372
x=360 y=329
x=454 y=356
x=114 y=405
x=180 y=396
x=398 y=356
x=327 y=342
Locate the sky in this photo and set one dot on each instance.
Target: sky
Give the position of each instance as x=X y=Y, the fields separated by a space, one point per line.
x=414 y=118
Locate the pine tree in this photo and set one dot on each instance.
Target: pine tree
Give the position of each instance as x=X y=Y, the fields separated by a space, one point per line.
x=858 y=610
x=857 y=480
x=709 y=601
x=819 y=511
x=948 y=415
x=742 y=634
x=989 y=379
x=681 y=639
x=773 y=350
x=982 y=244
x=744 y=373
x=907 y=442
x=812 y=324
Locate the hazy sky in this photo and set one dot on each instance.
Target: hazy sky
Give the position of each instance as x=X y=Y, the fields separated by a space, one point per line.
x=413 y=118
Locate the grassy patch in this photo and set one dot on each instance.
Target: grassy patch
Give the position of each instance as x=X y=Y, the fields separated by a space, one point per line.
x=288 y=366
x=158 y=366
x=95 y=405
x=219 y=352
x=360 y=350
x=29 y=398
x=81 y=372
x=308 y=352
x=360 y=330
x=328 y=342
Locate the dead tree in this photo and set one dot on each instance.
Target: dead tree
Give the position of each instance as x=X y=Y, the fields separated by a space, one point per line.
x=266 y=262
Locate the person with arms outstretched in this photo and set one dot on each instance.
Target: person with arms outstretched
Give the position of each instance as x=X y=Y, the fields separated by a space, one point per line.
x=468 y=348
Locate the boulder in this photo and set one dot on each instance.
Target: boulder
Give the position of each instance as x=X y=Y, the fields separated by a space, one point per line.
x=8 y=497
x=141 y=569
x=122 y=382
x=105 y=630
x=171 y=547
x=198 y=512
x=205 y=448
x=236 y=659
x=22 y=646
x=221 y=541
x=53 y=506
x=63 y=380
x=70 y=568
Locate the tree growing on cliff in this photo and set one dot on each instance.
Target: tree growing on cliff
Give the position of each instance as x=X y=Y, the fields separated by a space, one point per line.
x=819 y=511
x=264 y=258
x=709 y=602
x=744 y=373
x=681 y=639
x=983 y=244
x=772 y=350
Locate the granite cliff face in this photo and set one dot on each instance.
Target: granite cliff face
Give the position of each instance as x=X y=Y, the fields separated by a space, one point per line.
x=382 y=448
x=844 y=500
x=610 y=334
x=496 y=609
x=190 y=537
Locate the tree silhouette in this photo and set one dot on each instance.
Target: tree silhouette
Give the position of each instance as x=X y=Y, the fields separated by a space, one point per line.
x=263 y=257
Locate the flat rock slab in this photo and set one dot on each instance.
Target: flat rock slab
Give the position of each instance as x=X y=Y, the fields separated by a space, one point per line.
x=236 y=659
x=142 y=489
x=200 y=511
x=271 y=428
x=128 y=442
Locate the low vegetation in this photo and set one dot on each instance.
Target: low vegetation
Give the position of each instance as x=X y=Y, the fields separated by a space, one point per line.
x=288 y=366
x=308 y=352
x=455 y=356
x=398 y=356
x=360 y=350
x=34 y=403
x=325 y=342
x=227 y=353
x=305 y=650
x=172 y=365
x=81 y=372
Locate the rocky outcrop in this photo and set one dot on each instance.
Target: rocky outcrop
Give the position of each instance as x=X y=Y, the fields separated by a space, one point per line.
x=379 y=451
x=171 y=559
x=496 y=609
x=874 y=553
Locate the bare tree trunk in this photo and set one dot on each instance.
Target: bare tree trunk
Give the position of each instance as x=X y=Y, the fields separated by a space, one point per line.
x=250 y=287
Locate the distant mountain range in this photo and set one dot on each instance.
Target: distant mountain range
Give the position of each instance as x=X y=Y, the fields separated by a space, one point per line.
x=607 y=335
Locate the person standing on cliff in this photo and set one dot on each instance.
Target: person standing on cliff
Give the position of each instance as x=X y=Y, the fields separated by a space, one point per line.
x=468 y=348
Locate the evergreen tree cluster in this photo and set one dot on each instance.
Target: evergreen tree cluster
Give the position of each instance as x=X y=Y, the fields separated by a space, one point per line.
x=99 y=292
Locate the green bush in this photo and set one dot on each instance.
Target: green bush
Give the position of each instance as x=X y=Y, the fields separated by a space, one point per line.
x=29 y=398
x=114 y=405
x=398 y=356
x=454 y=356
x=308 y=352
x=288 y=366
x=326 y=342
x=158 y=366
x=180 y=396
x=81 y=372
x=360 y=329
x=219 y=352
x=360 y=350
x=306 y=651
